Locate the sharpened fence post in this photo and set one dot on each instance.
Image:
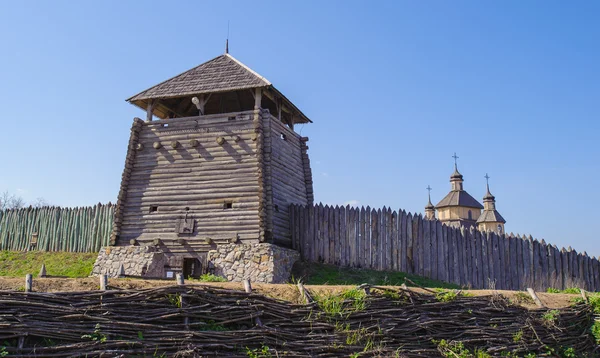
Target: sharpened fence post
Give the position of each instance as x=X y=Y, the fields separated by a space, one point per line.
x=103 y=282
x=28 y=282
x=247 y=286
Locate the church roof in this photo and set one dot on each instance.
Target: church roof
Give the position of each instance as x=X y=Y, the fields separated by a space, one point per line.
x=459 y=198
x=223 y=73
x=491 y=216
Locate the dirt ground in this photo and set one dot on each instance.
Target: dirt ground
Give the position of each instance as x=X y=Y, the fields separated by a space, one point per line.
x=286 y=292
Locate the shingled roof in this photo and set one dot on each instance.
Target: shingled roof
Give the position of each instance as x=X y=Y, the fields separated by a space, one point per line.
x=459 y=198
x=223 y=73
x=491 y=216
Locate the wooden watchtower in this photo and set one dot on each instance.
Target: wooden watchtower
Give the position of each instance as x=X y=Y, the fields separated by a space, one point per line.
x=215 y=161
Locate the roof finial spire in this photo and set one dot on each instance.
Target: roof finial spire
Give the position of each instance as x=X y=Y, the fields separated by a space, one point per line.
x=487 y=181
x=227 y=40
x=455 y=161
x=429 y=192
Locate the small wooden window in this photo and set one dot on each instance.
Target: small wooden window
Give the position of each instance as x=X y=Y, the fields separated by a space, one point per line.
x=153 y=209
x=227 y=205
x=165 y=125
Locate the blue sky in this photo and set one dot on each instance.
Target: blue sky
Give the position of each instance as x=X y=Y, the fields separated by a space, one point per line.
x=394 y=88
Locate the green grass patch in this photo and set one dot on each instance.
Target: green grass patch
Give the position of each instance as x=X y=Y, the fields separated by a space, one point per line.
x=322 y=274
x=341 y=304
x=572 y=290
x=67 y=264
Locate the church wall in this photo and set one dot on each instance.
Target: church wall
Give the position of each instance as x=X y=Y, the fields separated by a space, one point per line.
x=489 y=226
x=289 y=182
x=206 y=177
x=455 y=213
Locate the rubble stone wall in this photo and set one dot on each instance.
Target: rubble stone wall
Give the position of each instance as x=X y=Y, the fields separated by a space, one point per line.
x=144 y=261
x=259 y=262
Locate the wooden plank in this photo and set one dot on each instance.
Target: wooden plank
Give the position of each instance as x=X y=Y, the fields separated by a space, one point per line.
x=368 y=246
x=402 y=254
x=442 y=268
x=596 y=267
x=564 y=259
x=347 y=238
x=421 y=229
x=384 y=247
x=462 y=253
x=485 y=267
x=545 y=266
x=424 y=252
x=454 y=237
x=552 y=277
x=375 y=239
x=337 y=249
x=332 y=236
x=537 y=268
x=361 y=251
x=395 y=243
x=507 y=262
x=410 y=248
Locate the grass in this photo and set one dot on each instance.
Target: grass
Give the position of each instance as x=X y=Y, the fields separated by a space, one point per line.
x=322 y=274
x=348 y=301
x=67 y=264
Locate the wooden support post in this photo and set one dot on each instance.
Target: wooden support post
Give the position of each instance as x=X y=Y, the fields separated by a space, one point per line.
x=536 y=299
x=304 y=293
x=179 y=278
x=103 y=282
x=257 y=98
x=28 y=282
x=583 y=295
x=149 y=110
x=247 y=286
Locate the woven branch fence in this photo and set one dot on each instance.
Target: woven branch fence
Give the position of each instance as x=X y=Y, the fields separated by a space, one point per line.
x=394 y=240
x=84 y=229
x=195 y=321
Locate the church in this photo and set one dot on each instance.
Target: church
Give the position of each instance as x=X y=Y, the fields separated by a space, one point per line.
x=458 y=208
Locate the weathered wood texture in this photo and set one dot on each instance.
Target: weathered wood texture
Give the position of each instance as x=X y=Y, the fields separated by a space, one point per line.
x=84 y=229
x=397 y=241
x=202 y=181
x=286 y=183
x=206 y=170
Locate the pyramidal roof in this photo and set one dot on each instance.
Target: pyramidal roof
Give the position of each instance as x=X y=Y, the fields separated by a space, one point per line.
x=223 y=73
x=491 y=216
x=459 y=198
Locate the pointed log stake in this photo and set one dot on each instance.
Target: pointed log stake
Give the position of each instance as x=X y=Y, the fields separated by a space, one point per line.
x=247 y=286
x=179 y=278
x=121 y=270
x=28 y=282
x=536 y=299
x=583 y=295
x=103 y=282
x=43 y=271
x=304 y=293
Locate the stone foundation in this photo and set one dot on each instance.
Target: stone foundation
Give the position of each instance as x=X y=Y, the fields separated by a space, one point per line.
x=144 y=261
x=262 y=262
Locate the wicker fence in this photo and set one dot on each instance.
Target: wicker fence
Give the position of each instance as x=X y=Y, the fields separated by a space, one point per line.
x=388 y=240
x=83 y=229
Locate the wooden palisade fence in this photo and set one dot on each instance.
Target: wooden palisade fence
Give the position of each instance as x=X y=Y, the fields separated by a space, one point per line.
x=84 y=229
x=388 y=240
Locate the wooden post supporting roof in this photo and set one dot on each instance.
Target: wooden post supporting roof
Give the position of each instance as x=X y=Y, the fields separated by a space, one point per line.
x=149 y=110
x=257 y=98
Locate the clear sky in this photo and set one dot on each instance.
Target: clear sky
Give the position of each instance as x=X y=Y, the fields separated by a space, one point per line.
x=394 y=88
